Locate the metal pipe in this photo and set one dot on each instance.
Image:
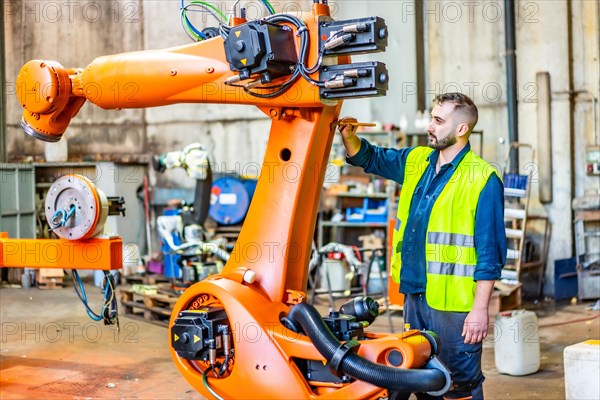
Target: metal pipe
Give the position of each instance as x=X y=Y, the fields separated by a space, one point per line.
x=421 y=54
x=544 y=136
x=571 y=132
x=598 y=66
x=511 y=80
x=2 y=92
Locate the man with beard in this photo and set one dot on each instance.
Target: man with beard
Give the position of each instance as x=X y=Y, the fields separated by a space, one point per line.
x=449 y=242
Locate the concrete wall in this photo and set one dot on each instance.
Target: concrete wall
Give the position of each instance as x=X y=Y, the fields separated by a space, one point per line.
x=586 y=78
x=73 y=33
x=466 y=50
x=464 y=47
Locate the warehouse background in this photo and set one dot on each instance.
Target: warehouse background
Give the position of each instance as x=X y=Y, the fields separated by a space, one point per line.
x=459 y=48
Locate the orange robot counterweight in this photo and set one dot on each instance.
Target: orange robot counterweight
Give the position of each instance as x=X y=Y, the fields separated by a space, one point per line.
x=248 y=332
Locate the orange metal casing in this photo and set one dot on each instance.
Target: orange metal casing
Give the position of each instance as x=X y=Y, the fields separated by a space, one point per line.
x=97 y=254
x=265 y=350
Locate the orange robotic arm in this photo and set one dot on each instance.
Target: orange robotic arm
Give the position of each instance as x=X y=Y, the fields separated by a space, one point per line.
x=248 y=331
x=51 y=95
x=196 y=73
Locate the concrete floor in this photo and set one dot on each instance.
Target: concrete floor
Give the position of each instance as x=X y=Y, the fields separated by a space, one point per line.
x=50 y=349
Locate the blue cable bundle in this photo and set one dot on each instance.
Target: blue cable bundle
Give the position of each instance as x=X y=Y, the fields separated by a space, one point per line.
x=109 y=312
x=205 y=7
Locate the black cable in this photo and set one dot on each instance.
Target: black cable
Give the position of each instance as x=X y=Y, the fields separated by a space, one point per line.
x=311 y=80
x=207 y=386
x=110 y=309
x=109 y=312
x=224 y=30
x=290 y=79
x=316 y=67
x=276 y=93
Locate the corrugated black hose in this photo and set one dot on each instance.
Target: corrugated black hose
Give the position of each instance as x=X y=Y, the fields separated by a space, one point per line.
x=434 y=378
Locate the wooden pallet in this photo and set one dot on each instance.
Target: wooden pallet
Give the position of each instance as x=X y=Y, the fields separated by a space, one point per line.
x=49 y=283
x=49 y=278
x=153 y=308
x=146 y=279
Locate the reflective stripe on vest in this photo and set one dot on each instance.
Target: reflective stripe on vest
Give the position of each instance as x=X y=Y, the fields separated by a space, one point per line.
x=450 y=269
x=451 y=238
x=450 y=249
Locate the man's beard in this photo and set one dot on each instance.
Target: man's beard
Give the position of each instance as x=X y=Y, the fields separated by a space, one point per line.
x=444 y=143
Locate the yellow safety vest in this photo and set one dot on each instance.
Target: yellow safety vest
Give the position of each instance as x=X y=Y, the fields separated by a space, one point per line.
x=450 y=249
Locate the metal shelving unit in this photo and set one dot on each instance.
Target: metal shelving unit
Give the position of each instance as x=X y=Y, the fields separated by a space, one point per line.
x=347 y=232
x=17 y=206
x=387 y=138
x=349 y=224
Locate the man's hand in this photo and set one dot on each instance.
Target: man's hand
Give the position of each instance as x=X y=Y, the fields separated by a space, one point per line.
x=351 y=141
x=345 y=129
x=476 y=323
x=476 y=326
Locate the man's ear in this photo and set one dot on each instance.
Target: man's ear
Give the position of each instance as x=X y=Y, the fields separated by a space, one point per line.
x=462 y=129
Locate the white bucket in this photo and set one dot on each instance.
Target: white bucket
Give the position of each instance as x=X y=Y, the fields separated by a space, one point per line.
x=582 y=363
x=517 y=343
x=337 y=270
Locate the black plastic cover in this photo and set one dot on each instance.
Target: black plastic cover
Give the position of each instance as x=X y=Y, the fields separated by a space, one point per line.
x=320 y=372
x=371 y=40
x=363 y=308
x=375 y=83
x=194 y=328
x=258 y=47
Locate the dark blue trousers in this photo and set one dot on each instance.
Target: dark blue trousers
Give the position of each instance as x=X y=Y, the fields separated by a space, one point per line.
x=463 y=360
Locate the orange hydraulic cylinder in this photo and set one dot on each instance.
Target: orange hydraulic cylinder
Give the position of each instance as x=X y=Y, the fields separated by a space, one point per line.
x=96 y=254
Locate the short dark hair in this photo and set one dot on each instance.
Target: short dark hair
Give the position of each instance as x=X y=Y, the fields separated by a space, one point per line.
x=461 y=103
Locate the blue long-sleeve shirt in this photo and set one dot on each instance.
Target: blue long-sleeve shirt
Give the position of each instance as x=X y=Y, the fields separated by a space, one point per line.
x=490 y=233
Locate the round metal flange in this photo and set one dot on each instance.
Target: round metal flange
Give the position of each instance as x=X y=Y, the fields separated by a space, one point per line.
x=30 y=130
x=91 y=207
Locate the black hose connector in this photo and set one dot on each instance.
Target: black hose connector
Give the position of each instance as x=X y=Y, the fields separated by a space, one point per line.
x=434 y=378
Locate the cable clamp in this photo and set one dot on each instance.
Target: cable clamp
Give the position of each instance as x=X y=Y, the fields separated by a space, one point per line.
x=340 y=353
x=302 y=29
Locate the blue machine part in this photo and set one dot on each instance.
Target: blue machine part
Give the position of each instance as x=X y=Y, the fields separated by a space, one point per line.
x=170 y=261
x=230 y=199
